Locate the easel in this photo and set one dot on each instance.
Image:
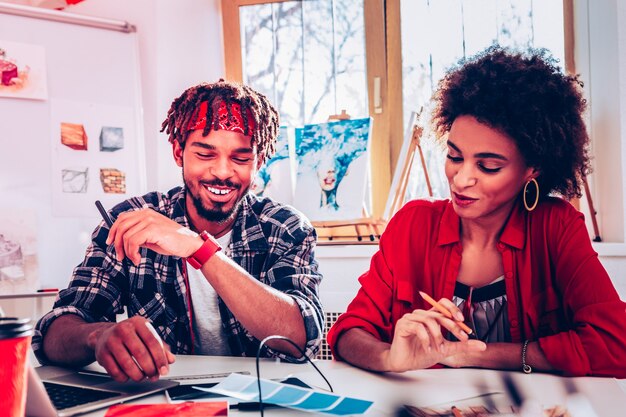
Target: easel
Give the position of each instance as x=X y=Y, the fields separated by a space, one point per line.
x=400 y=191
x=364 y=230
x=570 y=69
x=593 y=212
x=341 y=116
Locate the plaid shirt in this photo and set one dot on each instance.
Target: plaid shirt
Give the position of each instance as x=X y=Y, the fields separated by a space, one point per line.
x=272 y=242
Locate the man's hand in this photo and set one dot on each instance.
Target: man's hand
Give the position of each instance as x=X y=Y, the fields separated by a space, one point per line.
x=419 y=343
x=152 y=230
x=131 y=349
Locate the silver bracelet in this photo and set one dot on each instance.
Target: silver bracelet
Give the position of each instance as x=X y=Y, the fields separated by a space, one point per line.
x=525 y=367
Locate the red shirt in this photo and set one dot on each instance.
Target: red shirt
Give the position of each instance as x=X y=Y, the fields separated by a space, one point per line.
x=558 y=291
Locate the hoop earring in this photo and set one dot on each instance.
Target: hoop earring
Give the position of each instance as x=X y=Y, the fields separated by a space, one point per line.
x=531 y=208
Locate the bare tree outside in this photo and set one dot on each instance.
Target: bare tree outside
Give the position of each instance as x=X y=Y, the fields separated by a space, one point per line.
x=437 y=33
x=308 y=57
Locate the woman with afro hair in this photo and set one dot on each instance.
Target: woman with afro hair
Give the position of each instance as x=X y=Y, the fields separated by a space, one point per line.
x=507 y=254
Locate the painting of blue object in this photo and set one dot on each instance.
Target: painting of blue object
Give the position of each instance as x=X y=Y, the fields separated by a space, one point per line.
x=332 y=161
x=276 y=178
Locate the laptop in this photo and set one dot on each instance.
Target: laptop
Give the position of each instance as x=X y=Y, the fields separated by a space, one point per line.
x=59 y=392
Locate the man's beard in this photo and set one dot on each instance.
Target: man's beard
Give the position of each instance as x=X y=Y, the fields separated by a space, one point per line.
x=216 y=214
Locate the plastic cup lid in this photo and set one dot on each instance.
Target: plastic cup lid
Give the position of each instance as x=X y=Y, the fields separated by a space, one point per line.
x=11 y=327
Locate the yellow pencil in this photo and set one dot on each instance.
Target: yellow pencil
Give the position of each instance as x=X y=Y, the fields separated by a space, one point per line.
x=444 y=311
x=456 y=412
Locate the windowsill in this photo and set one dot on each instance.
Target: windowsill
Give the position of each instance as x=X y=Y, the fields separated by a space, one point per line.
x=610 y=249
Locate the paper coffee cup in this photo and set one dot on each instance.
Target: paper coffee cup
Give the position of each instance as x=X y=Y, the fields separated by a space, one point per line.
x=15 y=335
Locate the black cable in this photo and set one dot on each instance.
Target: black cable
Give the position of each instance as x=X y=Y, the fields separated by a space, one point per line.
x=258 y=373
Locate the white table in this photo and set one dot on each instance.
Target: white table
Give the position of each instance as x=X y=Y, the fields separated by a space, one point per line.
x=389 y=391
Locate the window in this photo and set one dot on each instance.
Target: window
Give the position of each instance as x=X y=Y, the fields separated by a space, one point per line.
x=436 y=34
x=314 y=59
x=308 y=71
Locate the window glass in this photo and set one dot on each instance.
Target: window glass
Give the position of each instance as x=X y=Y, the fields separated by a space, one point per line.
x=308 y=57
x=437 y=33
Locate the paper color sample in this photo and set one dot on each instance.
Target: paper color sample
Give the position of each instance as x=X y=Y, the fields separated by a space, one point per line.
x=244 y=387
x=186 y=409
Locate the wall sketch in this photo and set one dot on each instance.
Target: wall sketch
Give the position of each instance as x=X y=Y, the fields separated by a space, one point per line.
x=332 y=169
x=113 y=181
x=73 y=136
x=75 y=180
x=115 y=163
x=111 y=139
x=18 y=251
x=22 y=71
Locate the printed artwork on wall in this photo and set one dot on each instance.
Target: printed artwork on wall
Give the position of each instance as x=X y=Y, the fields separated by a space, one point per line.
x=22 y=71
x=109 y=169
x=18 y=251
x=332 y=169
x=276 y=178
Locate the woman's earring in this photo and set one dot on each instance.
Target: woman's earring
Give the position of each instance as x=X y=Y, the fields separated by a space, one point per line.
x=531 y=208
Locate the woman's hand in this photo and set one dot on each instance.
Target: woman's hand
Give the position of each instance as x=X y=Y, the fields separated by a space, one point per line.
x=418 y=341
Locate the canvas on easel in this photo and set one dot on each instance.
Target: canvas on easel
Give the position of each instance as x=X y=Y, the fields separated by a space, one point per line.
x=276 y=178
x=332 y=169
x=419 y=170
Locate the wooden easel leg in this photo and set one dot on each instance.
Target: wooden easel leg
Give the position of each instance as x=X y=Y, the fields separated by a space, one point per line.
x=592 y=210
x=425 y=168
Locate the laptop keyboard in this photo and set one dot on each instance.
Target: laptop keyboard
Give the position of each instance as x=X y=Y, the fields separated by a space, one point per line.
x=66 y=396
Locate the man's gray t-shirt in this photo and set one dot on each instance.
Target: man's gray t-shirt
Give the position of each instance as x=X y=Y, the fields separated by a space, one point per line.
x=209 y=335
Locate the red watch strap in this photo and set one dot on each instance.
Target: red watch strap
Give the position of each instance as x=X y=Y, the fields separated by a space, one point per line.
x=206 y=251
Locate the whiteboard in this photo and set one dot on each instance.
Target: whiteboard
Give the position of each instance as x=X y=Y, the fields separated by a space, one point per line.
x=90 y=68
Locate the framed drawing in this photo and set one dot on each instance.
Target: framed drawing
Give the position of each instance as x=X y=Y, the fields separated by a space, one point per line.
x=18 y=250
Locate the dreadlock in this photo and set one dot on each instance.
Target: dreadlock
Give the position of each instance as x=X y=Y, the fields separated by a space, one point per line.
x=252 y=103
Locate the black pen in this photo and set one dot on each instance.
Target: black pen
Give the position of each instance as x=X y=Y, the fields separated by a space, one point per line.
x=104 y=214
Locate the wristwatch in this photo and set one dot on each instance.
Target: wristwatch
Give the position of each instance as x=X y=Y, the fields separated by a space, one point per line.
x=208 y=249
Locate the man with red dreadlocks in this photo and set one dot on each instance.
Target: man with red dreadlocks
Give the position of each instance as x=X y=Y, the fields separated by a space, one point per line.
x=207 y=268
